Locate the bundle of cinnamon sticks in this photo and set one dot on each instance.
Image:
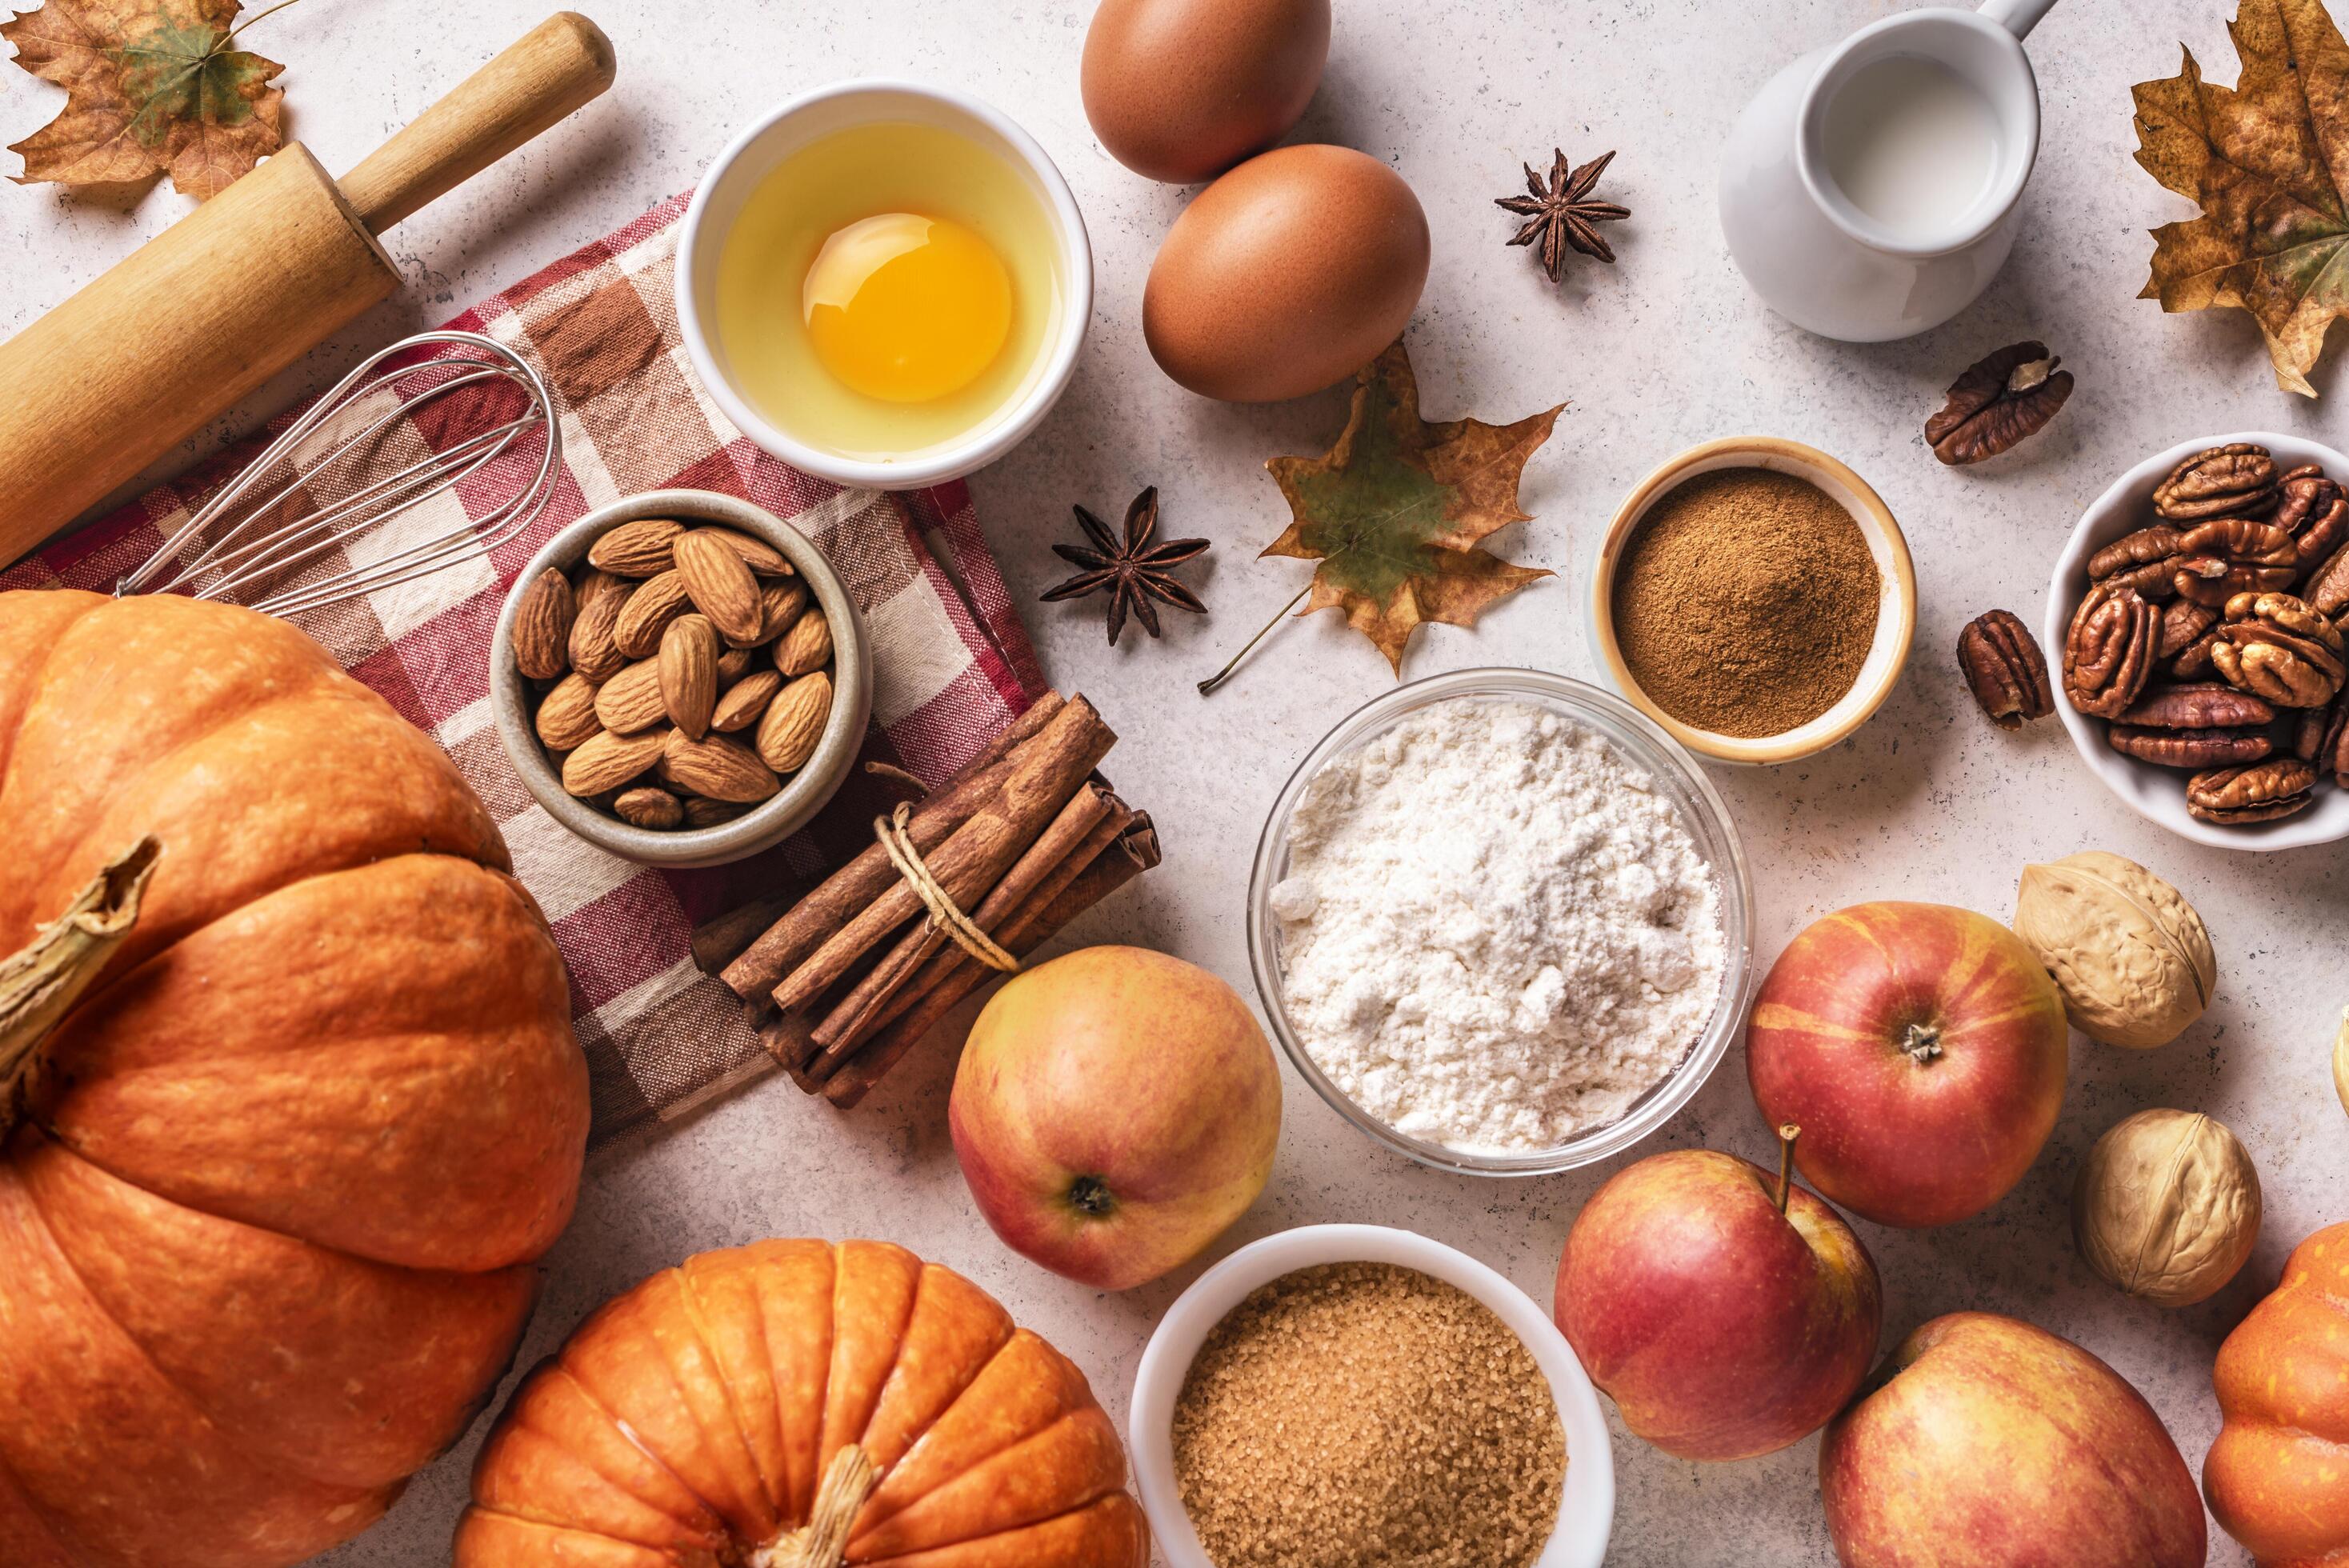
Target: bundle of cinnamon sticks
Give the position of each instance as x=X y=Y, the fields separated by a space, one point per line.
x=842 y=983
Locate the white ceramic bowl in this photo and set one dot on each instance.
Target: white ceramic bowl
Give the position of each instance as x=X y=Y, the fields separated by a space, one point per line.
x=751 y=156
x=1678 y=779
x=1585 y=1513
x=1896 y=611
x=2158 y=794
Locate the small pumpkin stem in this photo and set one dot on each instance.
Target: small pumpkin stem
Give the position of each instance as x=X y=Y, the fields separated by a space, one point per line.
x=822 y=1542
x=39 y=986
x=1923 y=1043
x=1787 y=1133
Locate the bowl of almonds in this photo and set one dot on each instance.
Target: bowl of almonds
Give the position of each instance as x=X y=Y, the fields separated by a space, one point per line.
x=680 y=679
x=2195 y=640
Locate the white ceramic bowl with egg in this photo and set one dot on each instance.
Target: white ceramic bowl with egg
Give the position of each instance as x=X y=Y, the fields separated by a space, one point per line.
x=1677 y=778
x=727 y=185
x=1585 y=1513
x=2158 y=794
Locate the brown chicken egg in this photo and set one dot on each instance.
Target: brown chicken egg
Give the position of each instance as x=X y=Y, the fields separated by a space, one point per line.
x=1290 y=273
x=1181 y=90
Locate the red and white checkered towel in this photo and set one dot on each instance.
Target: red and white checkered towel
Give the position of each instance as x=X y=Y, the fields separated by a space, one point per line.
x=951 y=663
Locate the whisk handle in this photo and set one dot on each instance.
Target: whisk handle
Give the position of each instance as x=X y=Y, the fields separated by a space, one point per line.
x=556 y=66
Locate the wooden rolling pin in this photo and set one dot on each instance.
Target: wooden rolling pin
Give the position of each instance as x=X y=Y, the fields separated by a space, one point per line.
x=237 y=290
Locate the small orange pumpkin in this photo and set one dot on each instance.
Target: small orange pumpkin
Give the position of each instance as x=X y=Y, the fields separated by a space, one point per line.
x=2278 y=1477
x=800 y=1404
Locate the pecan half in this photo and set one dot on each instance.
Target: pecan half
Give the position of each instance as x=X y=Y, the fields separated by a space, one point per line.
x=2330 y=754
x=2190 y=748
x=2214 y=579
x=2324 y=531
x=2109 y=650
x=2243 y=541
x=2193 y=661
x=2257 y=793
x=2273 y=646
x=2145 y=547
x=2286 y=614
x=2005 y=669
x=2327 y=588
x=2310 y=728
x=2184 y=623
x=2001 y=400
x=2204 y=705
x=2235 y=480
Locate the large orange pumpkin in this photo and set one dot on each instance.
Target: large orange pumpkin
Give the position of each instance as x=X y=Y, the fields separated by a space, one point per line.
x=2278 y=1477
x=727 y=1412
x=270 y=1193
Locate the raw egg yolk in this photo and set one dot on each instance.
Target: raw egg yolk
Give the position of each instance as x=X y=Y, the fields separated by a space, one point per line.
x=906 y=308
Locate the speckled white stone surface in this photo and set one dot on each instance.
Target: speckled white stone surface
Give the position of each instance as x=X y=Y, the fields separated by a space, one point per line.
x=1664 y=350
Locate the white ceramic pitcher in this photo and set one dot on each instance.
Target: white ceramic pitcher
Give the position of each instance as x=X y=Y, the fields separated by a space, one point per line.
x=1818 y=260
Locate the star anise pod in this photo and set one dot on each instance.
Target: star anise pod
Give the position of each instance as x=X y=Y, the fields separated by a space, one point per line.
x=1132 y=572
x=1562 y=214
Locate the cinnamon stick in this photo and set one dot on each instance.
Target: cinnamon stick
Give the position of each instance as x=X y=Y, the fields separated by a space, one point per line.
x=860 y=1011
x=1044 y=772
x=722 y=941
x=1135 y=851
x=787 y=943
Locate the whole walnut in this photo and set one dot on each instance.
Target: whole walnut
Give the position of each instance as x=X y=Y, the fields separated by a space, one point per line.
x=2129 y=953
x=2168 y=1206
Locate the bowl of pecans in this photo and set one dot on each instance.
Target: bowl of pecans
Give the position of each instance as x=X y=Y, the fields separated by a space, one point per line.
x=2194 y=640
x=680 y=679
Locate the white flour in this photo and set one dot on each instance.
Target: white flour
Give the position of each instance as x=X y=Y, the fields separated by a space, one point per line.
x=1495 y=934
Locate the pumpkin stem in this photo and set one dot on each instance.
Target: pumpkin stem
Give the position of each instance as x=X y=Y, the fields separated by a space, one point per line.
x=848 y=1481
x=39 y=986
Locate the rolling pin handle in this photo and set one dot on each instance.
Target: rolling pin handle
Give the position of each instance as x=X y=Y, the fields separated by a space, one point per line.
x=555 y=68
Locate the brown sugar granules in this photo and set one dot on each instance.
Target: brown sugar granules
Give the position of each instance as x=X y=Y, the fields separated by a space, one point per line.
x=1367 y=1416
x=1746 y=602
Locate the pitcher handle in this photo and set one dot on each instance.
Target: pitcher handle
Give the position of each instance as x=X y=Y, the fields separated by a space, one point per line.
x=2017 y=16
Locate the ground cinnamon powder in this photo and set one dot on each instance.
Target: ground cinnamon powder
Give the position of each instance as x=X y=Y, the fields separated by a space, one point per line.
x=1746 y=602
x=1367 y=1416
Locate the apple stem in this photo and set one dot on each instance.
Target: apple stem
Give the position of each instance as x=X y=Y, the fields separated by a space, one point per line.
x=1787 y=1133
x=1922 y=1044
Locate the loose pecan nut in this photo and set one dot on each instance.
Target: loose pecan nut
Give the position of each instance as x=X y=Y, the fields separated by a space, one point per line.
x=2185 y=623
x=2235 y=480
x=2190 y=748
x=2204 y=705
x=2005 y=669
x=2259 y=792
x=2001 y=400
x=2109 y=650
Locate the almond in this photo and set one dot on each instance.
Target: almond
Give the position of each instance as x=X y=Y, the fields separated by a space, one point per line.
x=592 y=653
x=732 y=665
x=638 y=548
x=689 y=673
x=720 y=585
x=795 y=722
x=631 y=701
x=566 y=716
x=606 y=760
x=760 y=556
x=656 y=603
x=806 y=645
x=719 y=768
x=780 y=604
x=541 y=626
x=647 y=806
x=703 y=812
x=740 y=705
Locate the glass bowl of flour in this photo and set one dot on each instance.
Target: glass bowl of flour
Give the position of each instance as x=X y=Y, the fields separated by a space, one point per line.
x=1501 y=922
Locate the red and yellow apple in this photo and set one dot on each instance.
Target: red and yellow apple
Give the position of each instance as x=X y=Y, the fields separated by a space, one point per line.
x=1986 y=1441
x=1115 y=1111
x=1922 y=1050
x=1723 y=1324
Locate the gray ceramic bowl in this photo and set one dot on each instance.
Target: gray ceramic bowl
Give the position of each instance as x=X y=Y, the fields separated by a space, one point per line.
x=770 y=821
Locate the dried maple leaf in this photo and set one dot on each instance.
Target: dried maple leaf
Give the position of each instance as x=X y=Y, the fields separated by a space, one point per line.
x=1394 y=511
x=152 y=87
x=2267 y=160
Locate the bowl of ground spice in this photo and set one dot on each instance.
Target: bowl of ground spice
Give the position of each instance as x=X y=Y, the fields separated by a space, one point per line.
x=1360 y=1396
x=1755 y=597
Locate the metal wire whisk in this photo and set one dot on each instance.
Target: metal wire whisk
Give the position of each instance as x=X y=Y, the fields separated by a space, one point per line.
x=248 y=537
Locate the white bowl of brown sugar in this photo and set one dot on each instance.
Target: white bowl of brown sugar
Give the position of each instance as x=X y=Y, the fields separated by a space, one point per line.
x=1755 y=597
x=1360 y=1396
